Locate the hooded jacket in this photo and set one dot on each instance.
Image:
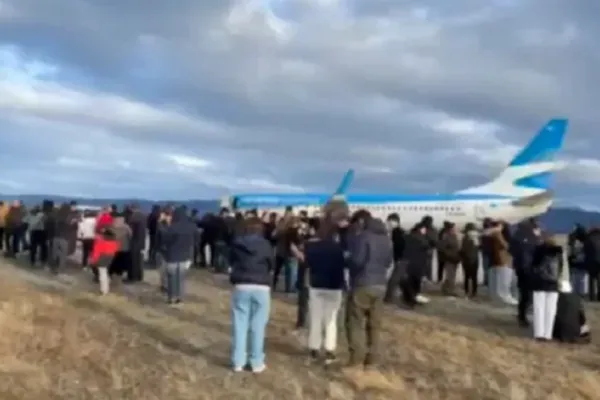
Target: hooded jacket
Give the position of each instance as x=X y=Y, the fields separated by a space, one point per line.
x=251 y=261
x=499 y=248
x=416 y=252
x=104 y=249
x=469 y=250
x=371 y=254
x=178 y=238
x=104 y=220
x=524 y=243
x=449 y=247
x=326 y=263
x=546 y=267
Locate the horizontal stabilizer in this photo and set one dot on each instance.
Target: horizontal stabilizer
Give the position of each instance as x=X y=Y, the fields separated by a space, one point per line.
x=535 y=200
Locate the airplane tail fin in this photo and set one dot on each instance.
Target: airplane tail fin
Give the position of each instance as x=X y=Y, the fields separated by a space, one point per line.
x=345 y=183
x=530 y=172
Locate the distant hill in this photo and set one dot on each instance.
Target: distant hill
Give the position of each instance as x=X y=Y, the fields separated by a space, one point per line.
x=559 y=220
x=201 y=205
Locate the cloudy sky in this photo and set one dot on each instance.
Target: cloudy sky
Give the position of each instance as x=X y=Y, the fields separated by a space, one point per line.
x=196 y=99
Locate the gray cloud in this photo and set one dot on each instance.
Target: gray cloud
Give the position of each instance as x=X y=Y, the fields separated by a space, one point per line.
x=365 y=84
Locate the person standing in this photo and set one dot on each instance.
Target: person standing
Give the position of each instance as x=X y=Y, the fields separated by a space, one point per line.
x=152 y=224
x=14 y=229
x=416 y=257
x=251 y=263
x=137 y=222
x=86 y=233
x=178 y=240
x=469 y=256
x=524 y=242
x=324 y=258
x=546 y=269
x=3 y=213
x=64 y=224
x=449 y=249
x=370 y=255
x=501 y=272
x=38 y=242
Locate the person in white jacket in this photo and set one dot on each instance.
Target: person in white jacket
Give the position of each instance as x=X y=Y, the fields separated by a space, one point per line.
x=85 y=233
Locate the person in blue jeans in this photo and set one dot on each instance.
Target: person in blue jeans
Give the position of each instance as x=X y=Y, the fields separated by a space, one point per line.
x=177 y=240
x=251 y=257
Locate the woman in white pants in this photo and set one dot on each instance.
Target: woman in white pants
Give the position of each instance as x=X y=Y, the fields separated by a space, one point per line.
x=324 y=258
x=545 y=273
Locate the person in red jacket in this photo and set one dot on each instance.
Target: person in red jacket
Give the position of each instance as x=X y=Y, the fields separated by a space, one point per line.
x=105 y=248
x=104 y=220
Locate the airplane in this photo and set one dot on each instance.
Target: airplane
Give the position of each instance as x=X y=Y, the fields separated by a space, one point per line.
x=521 y=191
x=261 y=202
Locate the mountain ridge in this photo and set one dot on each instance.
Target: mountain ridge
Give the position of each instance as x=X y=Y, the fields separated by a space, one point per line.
x=557 y=219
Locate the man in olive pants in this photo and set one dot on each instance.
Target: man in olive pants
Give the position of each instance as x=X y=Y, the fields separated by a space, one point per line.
x=369 y=259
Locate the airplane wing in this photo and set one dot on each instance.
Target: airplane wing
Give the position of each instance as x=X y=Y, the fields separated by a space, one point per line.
x=536 y=199
x=345 y=183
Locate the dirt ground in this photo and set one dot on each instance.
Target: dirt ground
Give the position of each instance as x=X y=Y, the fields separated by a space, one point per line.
x=59 y=340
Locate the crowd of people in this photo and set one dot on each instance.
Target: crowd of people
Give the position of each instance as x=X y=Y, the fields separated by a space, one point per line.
x=331 y=262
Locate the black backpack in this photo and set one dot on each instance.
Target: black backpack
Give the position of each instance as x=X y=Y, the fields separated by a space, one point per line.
x=570 y=316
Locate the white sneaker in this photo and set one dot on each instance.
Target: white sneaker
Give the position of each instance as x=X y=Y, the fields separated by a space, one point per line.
x=422 y=299
x=511 y=301
x=259 y=370
x=238 y=369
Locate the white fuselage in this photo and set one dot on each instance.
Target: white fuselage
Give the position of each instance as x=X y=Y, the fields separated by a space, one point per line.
x=458 y=212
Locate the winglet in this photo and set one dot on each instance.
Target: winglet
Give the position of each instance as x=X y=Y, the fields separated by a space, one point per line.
x=345 y=183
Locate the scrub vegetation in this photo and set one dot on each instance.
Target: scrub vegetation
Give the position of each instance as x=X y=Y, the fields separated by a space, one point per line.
x=59 y=340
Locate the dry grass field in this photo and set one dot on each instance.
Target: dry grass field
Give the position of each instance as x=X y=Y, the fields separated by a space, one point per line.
x=59 y=340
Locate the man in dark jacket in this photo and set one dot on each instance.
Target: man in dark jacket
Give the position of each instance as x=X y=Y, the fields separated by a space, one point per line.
x=225 y=225
x=252 y=259
x=370 y=255
x=449 y=250
x=486 y=250
x=152 y=224
x=416 y=256
x=178 y=241
x=398 y=274
x=577 y=267
x=524 y=242
x=137 y=223
x=469 y=258
x=592 y=261
x=64 y=223
x=208 y=238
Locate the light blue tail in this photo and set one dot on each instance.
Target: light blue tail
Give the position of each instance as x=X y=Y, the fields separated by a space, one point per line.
x=532 y=168
x=345 y=183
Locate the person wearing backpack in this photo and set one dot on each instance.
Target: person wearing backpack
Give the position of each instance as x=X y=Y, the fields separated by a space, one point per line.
x=546 y=268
